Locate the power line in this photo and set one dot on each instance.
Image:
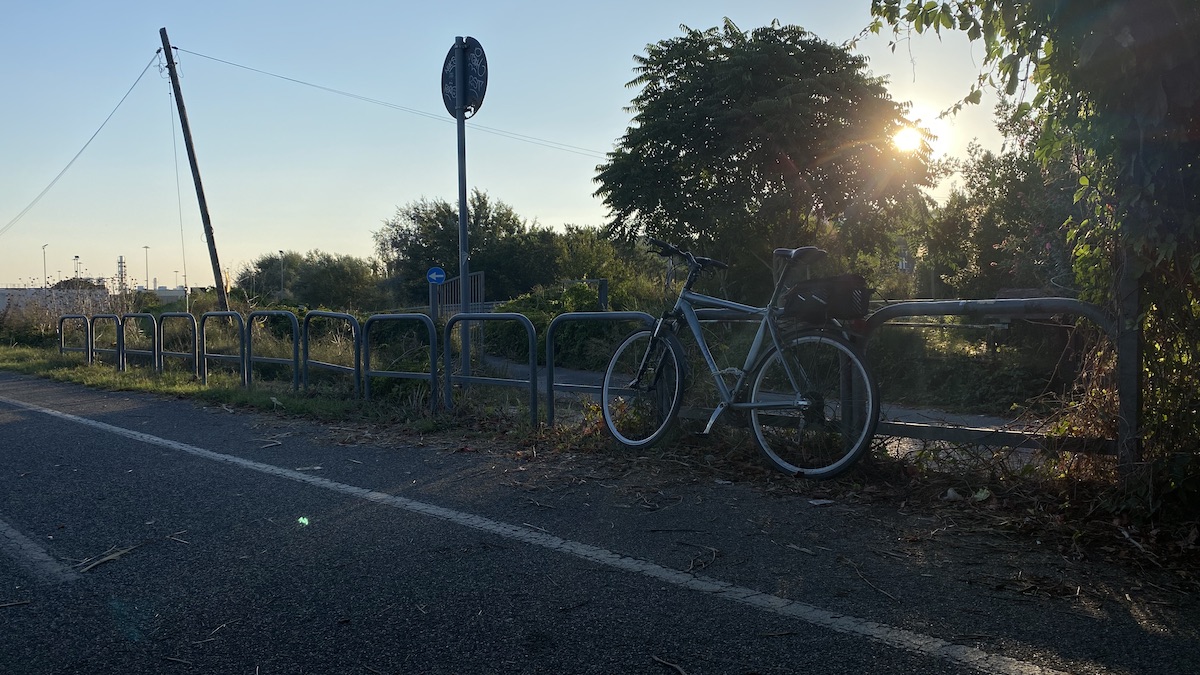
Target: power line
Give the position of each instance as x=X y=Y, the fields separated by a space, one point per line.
x=554 y=145
x=41 y=194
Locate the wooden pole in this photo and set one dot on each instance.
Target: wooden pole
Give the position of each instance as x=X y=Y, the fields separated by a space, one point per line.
x=1129 y=371
x=222 y=297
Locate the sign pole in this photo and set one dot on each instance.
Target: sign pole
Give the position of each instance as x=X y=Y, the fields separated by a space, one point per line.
x=462 y=92
x=464 y=269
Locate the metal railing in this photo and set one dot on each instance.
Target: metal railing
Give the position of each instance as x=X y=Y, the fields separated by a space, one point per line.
x=356 y=332
x=242 y=347
x=451 y=378
x=194 y=354
x=992 y=308
x=155 y=351
x=362 y=370
x=368 y=372
x=86 y=349
x=251 y=359
x=553 y=386
x=117 y=351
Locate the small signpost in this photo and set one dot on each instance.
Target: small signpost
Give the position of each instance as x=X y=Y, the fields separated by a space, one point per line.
x=464 y=83
x=436 y=276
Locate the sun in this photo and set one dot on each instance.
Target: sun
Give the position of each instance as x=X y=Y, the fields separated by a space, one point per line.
x=908 y=139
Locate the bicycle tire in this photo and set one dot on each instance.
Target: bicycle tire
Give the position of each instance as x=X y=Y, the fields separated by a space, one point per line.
x=817 y=422
x=639 y=414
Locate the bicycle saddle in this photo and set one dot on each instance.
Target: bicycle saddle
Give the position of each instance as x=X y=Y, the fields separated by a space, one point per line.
x=804 y=254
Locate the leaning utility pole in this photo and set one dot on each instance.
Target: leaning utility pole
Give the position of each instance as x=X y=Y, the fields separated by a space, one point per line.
x=222 y=297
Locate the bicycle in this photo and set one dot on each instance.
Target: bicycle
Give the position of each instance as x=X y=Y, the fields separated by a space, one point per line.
x=804 y=387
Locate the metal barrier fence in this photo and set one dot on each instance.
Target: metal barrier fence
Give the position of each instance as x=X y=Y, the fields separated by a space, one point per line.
x=1007 y=308
x=553 y=386
x=368 y=372
x=243 y=349
x=363 y=372
x=476 y=379
x=155 y=351
x=251 y=359
x=117 y=351
x=86 y=349
x=193 y=334
x=356 y=332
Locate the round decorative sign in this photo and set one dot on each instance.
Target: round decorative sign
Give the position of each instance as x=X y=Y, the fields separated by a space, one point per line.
x=476 y=77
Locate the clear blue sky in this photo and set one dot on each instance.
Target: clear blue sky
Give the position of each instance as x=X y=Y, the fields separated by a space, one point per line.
x=292 y=167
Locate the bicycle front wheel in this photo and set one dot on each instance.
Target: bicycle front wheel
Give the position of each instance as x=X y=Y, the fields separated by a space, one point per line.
x=640 y=403
x=814 y=406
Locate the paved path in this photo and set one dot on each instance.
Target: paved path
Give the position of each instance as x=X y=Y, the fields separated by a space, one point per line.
x=147 y=535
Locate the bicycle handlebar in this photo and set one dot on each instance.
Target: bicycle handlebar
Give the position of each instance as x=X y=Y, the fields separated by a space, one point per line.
x=667 y=250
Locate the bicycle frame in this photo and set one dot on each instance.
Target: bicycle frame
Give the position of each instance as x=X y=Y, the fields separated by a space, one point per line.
x=685 y=309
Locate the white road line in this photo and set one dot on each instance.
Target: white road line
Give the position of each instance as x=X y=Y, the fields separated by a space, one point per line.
x=895 y=637
x=32 y=557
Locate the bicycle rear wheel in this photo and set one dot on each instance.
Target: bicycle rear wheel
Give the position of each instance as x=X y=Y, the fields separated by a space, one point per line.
x=814 y=406
x=639 y=410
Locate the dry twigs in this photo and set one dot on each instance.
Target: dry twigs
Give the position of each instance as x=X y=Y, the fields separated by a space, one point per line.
x=868 y=581
x=109 y=556
x=668 y=664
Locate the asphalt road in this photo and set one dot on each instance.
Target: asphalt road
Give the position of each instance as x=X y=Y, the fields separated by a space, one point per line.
x=141 y=534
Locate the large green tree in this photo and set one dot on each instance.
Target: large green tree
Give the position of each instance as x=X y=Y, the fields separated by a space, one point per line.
x=513 y=254
x=744 y=141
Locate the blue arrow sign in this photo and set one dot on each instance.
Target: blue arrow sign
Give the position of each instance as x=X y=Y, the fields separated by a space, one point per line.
x=435 y=276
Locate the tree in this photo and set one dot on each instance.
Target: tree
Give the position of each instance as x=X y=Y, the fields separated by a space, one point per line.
x=270 y=276
x=339 y=282
x=747 y=141
x=1116 y=89
x=317 y=279
x=515 y=255
x=1004 y=226
x=78 y=284
x=1118 y=79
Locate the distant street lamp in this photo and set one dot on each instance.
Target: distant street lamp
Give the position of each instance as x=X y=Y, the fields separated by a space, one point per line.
x=176 y=278
x=147 y=267
x=45 y=273
x=76 y=267
x=281 y=276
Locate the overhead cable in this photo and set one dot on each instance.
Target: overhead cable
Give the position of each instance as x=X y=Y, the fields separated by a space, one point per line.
x=8 y=226
x=586 y=152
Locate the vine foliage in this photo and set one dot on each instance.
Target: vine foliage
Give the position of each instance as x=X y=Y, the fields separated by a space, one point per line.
x=1115 y=86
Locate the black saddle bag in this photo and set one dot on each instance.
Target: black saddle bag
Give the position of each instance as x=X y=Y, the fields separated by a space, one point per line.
x=845 y=296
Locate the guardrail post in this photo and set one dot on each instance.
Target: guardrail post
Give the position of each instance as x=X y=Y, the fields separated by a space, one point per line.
x=87 y=336
x=1129 y=372
x=194 y=354
x=205 y=356
x=355 y=331
x=433 y=354
x=119 y=351
x=579 y=316
x=251 y=359
x=467 y=378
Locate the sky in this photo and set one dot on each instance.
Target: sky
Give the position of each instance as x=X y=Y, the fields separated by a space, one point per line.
x=288 y=166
